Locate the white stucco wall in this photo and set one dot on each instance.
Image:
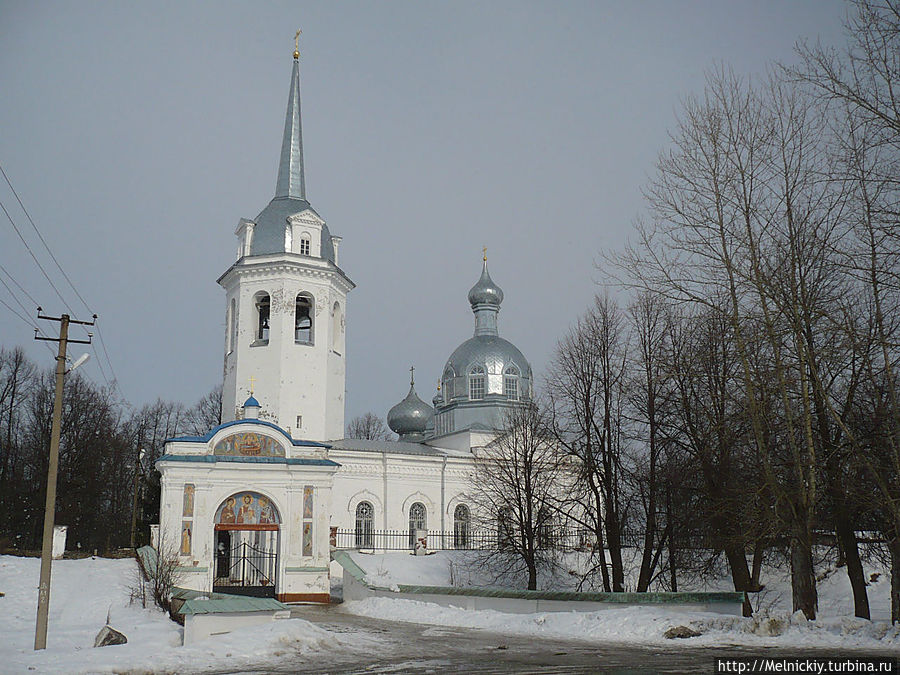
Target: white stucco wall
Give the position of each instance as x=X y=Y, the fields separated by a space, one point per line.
x=290 y=378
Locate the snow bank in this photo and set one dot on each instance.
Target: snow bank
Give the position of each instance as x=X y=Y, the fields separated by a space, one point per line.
x=773 y=624
x=645 y=625
x=83 y=591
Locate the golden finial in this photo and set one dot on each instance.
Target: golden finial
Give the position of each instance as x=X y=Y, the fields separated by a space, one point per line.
x=484 y=253
x=297 y=44
x=252 y=380
x=412 y=371
x=439 y=384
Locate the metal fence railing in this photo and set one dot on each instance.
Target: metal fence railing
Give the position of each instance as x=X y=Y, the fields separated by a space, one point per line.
x=459 y=539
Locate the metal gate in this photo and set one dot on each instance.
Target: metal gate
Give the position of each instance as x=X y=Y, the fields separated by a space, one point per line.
x=246 y=563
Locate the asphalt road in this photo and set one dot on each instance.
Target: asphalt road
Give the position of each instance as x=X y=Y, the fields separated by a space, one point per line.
x=400 y=647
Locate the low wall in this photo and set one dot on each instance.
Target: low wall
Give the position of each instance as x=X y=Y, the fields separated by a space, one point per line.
x=529 y=602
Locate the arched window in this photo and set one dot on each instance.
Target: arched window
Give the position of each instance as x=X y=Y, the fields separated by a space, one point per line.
x=365 y=525
x=416 y=521
x=476 y=383
x=511 y=383
x=229 y=327
x=337 y=332
x=303 y=319
x=504 y=527
x=304 y=244
x=461 y=526
x=262 y=318
x=544 y=528
x=447 y=385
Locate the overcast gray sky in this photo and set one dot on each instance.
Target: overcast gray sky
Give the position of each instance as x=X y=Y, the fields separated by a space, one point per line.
x=137 y=134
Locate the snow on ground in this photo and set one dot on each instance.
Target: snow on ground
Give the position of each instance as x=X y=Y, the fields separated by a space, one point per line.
x=83 y=591
x=772 y=625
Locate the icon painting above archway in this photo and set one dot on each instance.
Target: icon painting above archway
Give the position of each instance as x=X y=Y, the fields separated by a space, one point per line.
x=249 y=444
x=247 y=510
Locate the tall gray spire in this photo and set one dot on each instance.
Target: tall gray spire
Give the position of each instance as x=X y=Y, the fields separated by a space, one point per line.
x=291 y=181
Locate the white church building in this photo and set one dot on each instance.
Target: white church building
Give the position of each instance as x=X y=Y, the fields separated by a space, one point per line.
x=253 y=505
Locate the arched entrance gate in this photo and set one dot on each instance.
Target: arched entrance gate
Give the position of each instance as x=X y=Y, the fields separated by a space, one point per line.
x=246 y=545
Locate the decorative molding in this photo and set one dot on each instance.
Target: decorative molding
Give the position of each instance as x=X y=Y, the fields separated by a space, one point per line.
x=418 y=496
x=364 y=496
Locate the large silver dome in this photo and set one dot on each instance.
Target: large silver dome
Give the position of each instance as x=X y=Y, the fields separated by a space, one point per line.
x=497 y=357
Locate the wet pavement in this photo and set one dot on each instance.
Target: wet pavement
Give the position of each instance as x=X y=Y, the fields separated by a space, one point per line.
x=400 y=647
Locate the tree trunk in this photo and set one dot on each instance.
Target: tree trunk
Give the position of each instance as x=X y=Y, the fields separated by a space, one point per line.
x=759 y=551
x=613 y=536
x=803 y=580
x=846 y=538
x=740 y=575
x=894 y=548
x=532 y=577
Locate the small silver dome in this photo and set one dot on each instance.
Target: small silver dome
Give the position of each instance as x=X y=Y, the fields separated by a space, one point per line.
x=411 y=416
x=485 y=291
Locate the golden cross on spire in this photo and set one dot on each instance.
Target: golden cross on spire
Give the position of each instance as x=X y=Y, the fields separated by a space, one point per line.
x=252 y=380
x=484 y=253
x=297 y=44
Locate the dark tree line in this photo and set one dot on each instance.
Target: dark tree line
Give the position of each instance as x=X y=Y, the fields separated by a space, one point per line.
x=99 y=468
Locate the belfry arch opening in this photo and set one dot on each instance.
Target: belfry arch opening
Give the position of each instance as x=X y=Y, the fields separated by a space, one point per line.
x=246 y=529
x=263 y=307
x=303 y=319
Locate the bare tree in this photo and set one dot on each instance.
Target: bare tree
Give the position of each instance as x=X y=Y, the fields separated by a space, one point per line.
x=205 y=413
x=516 y=481
x=586 y=385
x=649 y=390
x=369 y=427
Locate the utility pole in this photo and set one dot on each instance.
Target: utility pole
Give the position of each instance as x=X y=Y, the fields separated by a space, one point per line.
x=138 y=474
x=40 y=632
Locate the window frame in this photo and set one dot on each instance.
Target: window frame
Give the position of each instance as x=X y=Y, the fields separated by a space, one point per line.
x=310 y=304
x=477 y=380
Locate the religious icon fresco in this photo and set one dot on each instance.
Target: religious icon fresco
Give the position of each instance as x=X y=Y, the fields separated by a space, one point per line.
x=307 y=539
x=247 y=508
x=186 y=537
x=249 y=444
x=307 y=501
x=187 y=509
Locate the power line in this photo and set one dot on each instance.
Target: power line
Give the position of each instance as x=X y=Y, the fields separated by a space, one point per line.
x=65 y=276
x=6 y=286
x=33 y=257
x=41 y=237
x=30 y=324
x=19 y=286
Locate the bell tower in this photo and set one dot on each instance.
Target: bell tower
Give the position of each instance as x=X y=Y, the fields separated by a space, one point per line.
x=286 y=305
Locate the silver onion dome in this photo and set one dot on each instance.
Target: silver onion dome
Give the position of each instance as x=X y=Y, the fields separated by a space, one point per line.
x=485 y=291
x=411 y=417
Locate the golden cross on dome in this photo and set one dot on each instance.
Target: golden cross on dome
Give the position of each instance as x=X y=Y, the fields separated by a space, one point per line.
x=412 y=370
x=252 y=380
x=484 y=253
x=297 y=44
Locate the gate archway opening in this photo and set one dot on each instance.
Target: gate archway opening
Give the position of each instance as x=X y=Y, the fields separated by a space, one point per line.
x=247 y=527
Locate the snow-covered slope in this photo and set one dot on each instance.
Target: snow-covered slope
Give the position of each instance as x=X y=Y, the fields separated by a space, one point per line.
x=83 y=591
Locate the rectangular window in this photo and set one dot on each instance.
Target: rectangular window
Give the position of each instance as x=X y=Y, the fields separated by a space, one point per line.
x=511 y=387
x=304 y=246
x=299 y=421
x=476 y=387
